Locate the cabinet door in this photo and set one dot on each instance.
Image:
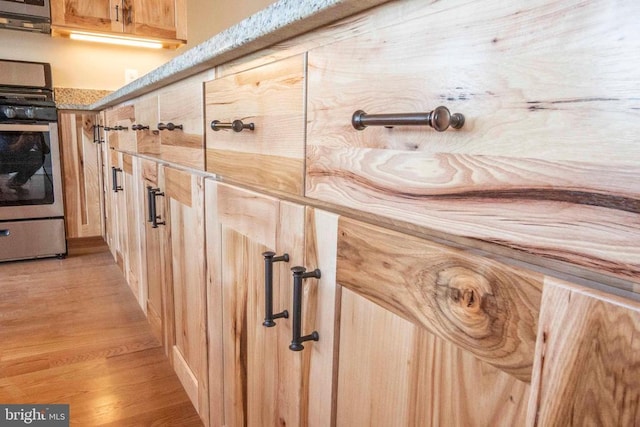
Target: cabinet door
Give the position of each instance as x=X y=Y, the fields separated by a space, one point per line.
x=119 y=120
x=165 y=19
x=186 y=289
x=130 y=211
x=82 y=167
x=587 y=363
x=265 y=383
x=181 y=105
x=97 y=15
x=154 y=246
x=430 y=336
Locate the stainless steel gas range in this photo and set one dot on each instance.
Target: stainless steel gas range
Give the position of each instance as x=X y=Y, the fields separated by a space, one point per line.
x=31 y=199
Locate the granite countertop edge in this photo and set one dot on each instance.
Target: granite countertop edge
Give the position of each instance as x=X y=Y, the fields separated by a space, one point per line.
x=279 y=21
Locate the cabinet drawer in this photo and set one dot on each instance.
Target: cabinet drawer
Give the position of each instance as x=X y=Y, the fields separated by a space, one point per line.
x=270 y=97
x=546 y=161
x=145 y=126
x=118 y=128
x=180 y=105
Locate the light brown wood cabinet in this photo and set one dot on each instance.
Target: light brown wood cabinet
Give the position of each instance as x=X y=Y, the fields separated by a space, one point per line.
x=269 y=102
x=82 y=173
x=163 y=20
x=154 y=248
x=446 y=311
x=429 y=335
x=263 y=382
x=184 y=283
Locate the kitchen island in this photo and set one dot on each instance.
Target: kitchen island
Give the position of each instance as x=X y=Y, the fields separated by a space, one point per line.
x=489 y=269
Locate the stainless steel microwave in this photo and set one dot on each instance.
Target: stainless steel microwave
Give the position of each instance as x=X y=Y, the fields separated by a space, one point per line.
x=26 y=15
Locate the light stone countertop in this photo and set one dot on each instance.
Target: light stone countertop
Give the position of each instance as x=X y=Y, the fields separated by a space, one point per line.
x=279 y=21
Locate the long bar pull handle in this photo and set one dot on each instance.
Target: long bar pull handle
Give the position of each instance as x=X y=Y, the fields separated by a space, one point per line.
x=153 y=213
x=168 y=126
x=114 y=179
x=236 y=125
x=151 y=205
x=439 y=119
x=299 y=274
x=269 y=259
x=96 y=134
x=117 y=13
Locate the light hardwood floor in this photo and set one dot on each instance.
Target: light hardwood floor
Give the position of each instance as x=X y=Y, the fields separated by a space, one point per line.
x=71 y=332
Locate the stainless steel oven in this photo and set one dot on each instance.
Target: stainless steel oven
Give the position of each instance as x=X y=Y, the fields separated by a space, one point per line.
x=31 y=198
x=26 y=15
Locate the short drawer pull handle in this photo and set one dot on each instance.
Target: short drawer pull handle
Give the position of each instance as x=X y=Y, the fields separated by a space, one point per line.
x=440 y=119
x=114 y=179
x=299 y=274
x=269 y=259
x=5 y=233
x=139 y=127
x=236 y=125
x=169 y=126
x=152 y=193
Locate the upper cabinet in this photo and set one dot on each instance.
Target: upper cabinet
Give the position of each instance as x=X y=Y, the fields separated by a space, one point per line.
x=164 y=20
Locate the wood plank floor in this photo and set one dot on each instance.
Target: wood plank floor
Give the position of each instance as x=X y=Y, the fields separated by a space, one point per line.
x=71 y=332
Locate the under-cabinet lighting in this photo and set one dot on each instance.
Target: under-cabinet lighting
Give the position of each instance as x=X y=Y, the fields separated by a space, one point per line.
x=126 y=41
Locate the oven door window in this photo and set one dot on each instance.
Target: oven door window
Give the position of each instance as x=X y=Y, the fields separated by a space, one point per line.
x=26 y=177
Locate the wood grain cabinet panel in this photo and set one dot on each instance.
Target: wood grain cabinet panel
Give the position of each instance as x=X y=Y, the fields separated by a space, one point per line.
x=395 y=373
x=153 y=245
x=82 y=166
x=270 y=97
x=181 y=105
x=185 y=307
x=146 y=116
x=482 y=306
x=118 y=122
x=263 y=381
x=587 y=360
x=546 y=162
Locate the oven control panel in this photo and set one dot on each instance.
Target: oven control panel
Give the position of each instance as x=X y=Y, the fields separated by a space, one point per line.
x=17 y=113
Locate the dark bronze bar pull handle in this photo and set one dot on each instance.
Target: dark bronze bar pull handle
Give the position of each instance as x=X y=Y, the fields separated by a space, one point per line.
x=168 y=126
x=114 y=179
x=117 y=13
x=153 y=214
x=236 y=125
x=96 y=134
x=139 y=127
x=119 y=128
x=269 y=259
x=299 y=274
x=151 y=202
x=440 y=119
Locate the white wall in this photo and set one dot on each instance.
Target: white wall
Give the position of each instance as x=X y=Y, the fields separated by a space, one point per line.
x=85 y=65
